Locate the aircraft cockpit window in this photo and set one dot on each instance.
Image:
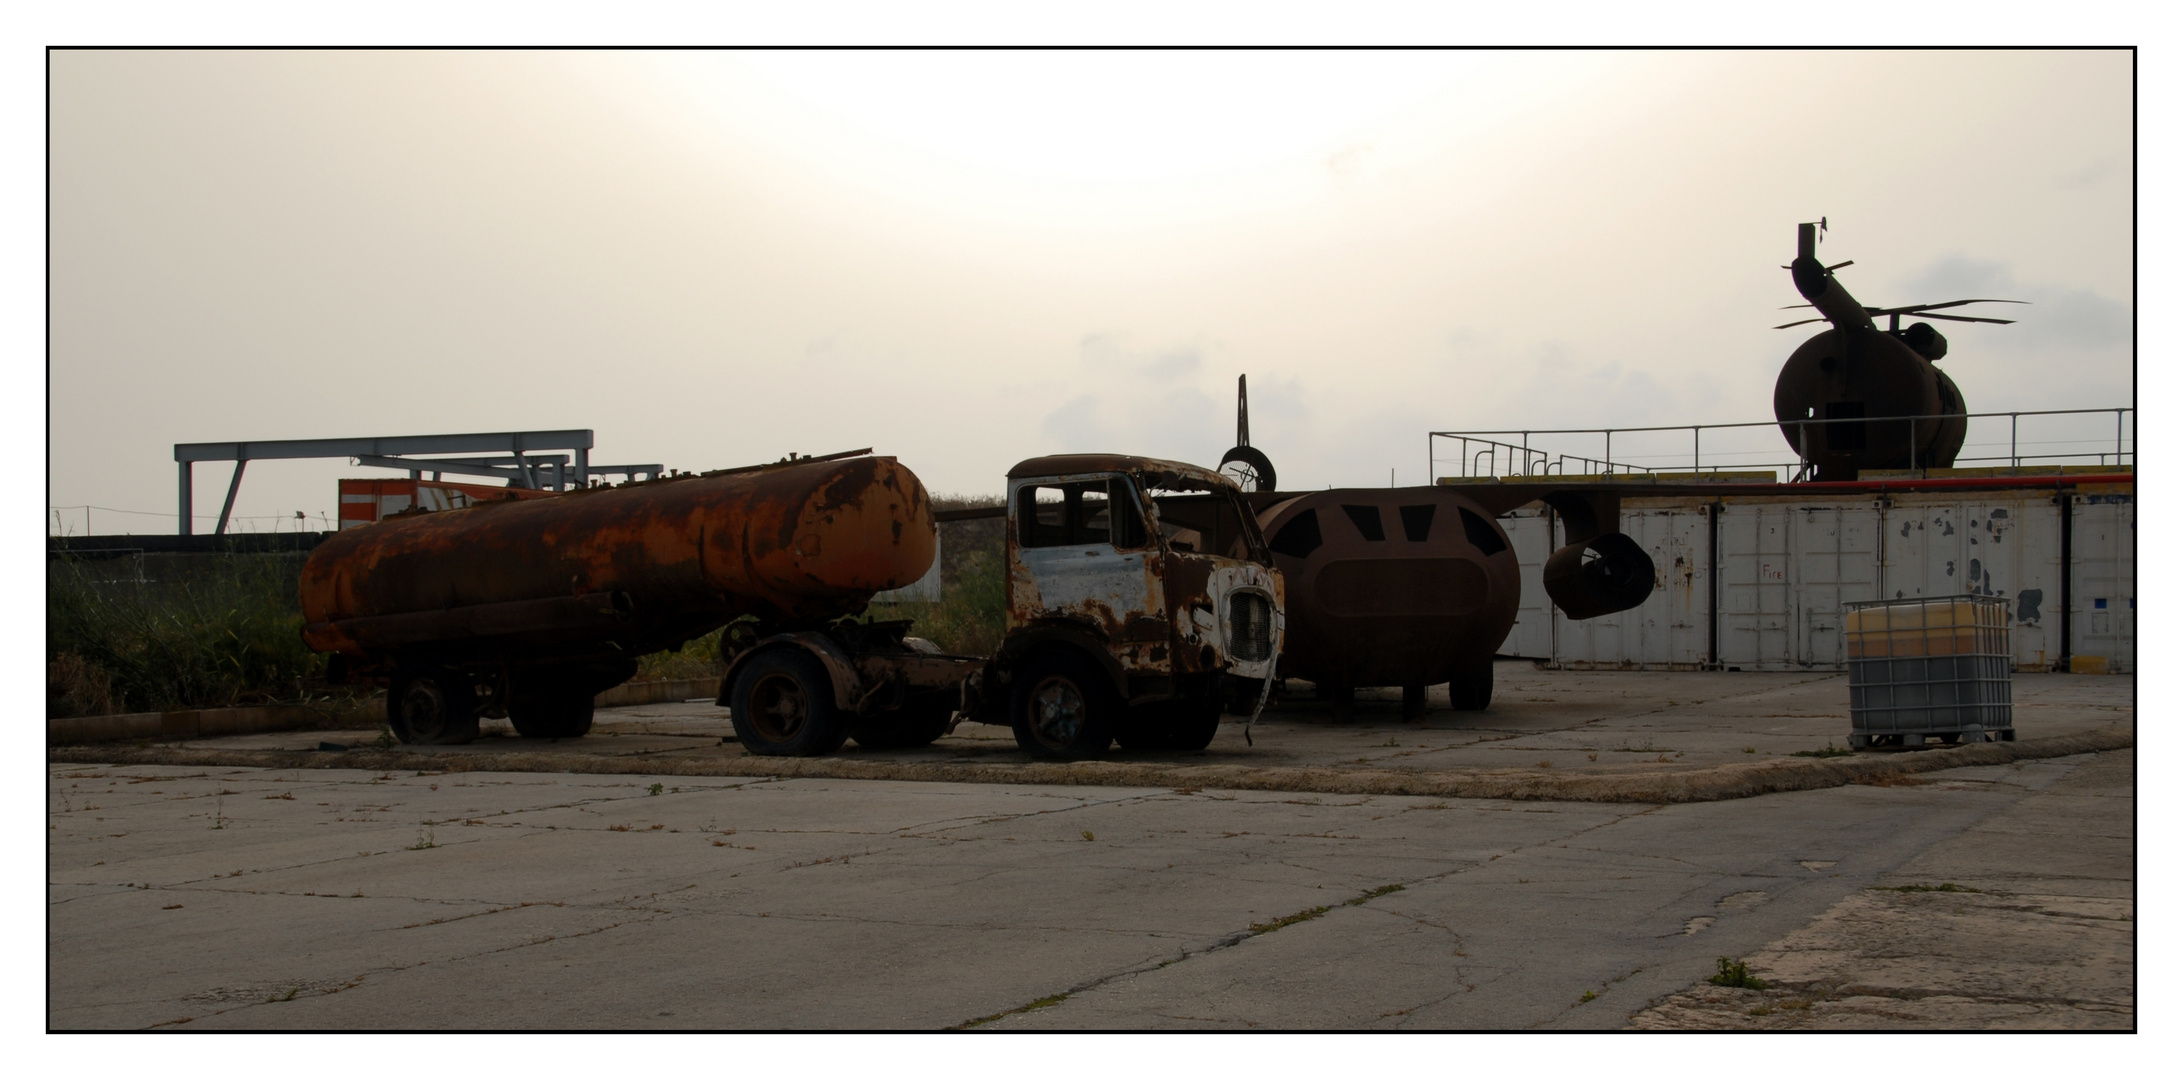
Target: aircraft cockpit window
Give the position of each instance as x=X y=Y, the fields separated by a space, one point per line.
x=1367 y=519
x=1481 y=534
x=1300 y=537
x=1417 y=522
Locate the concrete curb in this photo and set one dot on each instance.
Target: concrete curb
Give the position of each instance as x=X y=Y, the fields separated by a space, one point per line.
x=1735 y=781
x=203 y=723
x=206 y=723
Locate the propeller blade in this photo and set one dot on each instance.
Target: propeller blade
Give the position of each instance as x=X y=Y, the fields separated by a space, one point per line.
x=1967 y=318
x=1785 y=326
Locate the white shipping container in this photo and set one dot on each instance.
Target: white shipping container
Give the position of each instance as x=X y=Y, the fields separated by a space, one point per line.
x=1787 y=565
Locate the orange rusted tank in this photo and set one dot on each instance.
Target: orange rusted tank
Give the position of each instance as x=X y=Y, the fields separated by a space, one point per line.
x=619 y=571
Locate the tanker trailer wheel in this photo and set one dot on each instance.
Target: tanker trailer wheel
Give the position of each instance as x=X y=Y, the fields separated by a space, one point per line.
x=1169 y=725
x=917 y=723
x=432 y=706
x=783 y=706
x=567 y=716
x=1472 y=687
x=1062 y=707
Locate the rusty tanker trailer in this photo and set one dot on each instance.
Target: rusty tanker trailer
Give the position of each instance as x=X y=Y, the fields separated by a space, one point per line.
x=529 y=608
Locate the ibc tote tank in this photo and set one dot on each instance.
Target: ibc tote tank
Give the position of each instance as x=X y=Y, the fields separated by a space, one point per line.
x=627 y=569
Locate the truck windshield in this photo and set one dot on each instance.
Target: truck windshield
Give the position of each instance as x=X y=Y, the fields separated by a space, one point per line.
x=1196 y=516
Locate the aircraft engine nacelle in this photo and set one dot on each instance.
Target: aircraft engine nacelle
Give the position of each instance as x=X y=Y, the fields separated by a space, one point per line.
x=1599 y=576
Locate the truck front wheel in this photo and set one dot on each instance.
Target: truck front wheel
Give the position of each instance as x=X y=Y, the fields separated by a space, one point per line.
x=783 y=706
x=1062 y=708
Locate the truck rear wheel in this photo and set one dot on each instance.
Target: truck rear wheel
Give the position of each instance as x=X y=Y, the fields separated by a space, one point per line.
x=1062 y=708
x=916 y=723
x=1169 y=725
x=433 y=706
x=1472 y=687
x=566 y=717
x=783 y=706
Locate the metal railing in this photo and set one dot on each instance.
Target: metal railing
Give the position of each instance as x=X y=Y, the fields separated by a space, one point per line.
x=1547 y=451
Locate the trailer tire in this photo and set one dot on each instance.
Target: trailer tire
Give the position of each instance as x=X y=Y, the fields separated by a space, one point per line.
x=566 y=717
x=917 y=723
x=783 y=706
x=1061 y=707
x=1168 y=725
x=433 y=706
x=1472 y=688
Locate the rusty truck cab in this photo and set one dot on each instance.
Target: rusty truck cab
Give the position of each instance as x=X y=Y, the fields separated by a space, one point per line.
x=1141 y=599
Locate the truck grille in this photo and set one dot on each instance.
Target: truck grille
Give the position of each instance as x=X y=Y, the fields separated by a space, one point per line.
x=1250 y=627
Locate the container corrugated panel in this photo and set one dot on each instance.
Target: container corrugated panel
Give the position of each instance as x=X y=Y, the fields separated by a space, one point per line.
x=2005 y=545
x=2103 y=586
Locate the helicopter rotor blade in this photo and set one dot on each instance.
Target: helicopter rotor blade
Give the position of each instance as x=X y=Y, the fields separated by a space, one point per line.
x=1917 y=308
x=1967 y=318
x=1800 y=322
x=1792 y=307
x=1839 y=265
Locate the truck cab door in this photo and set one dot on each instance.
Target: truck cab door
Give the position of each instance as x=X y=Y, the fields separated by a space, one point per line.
x=1080 y=550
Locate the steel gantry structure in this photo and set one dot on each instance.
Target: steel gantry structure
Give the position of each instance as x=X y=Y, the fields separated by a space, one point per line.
x=521 y=458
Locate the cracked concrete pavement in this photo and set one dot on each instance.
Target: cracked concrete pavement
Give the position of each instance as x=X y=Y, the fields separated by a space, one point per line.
x=1628 y=736
x=227 y=897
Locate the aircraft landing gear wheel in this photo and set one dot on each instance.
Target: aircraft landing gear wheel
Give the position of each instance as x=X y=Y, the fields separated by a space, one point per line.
x=783 y=706
x=1062 y=708
x=433 y=706
x=1472 y=687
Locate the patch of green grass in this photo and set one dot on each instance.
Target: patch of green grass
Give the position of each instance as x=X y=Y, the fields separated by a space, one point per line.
x=1734 y=973
x=218 y=631
x=1945 y=886
x=971 y=616
x=1829 y=750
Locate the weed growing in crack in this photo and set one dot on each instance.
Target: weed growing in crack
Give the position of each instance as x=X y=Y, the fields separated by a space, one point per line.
x=219 y=820
x=385 y=741
x=655 y=789
x=1305 y=915
x=426 y=839
x=1734 y=973
x=1588 y=996
x=1371 y=896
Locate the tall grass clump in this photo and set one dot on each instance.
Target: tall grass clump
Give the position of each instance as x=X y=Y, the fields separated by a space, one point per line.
x=212 y=631
x=971 y=616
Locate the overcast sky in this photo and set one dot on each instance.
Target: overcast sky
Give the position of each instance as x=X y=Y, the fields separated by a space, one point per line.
x=963 y=260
